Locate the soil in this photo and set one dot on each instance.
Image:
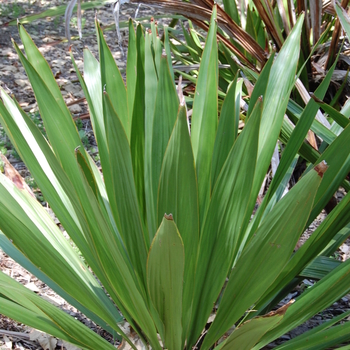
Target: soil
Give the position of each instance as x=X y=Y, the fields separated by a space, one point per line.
x=48 y=34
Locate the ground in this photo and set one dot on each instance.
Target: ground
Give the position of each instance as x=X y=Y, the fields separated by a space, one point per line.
x=48 y=34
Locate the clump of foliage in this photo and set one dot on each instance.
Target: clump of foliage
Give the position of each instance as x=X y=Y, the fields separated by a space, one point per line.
x=11 y=10
x=167 y=228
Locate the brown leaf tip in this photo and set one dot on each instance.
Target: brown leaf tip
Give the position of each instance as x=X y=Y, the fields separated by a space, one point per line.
x=281 y=311
x=321 y=168
x=169 y=217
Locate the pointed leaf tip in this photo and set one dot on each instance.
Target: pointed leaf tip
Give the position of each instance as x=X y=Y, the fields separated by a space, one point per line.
x=321 y=168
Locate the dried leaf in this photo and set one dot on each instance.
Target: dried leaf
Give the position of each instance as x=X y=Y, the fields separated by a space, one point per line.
x=46 y=341
x=32 y=287
x=69 y=346
x=14 y=176
x=8 y=342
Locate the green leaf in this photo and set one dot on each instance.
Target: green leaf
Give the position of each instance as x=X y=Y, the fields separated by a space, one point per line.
x=225 y=221
x=119 y=277
x=165 y=113
x=321 y=335
x=205 y=116
x=178 y=195
x=165 y=269
x=112 y=82
x=276 y=98
x=338 y=117
x=337 y=156
x=343 y=17
x=294 y=112
x=151 y=87
x=34 y=233
x=296 y=140
x=56 y=11
x=157 y=46
x=320 y=296
x=250 y=332
x=122 y=188
x=300 y=131
x=324 y=234
x=44 y=166
x=39 y=63
x=227 y=129
x=25 y=306
x=93 y=92
x=319 y=267
x=167 y=50
x=265 y=254
x=193 y=49
x=16 y=255
x=62 y=195
x=87 y=172
x=59 y=124
x=131 y=69
x=231 y=9
x=137 y=140
x=337 y=240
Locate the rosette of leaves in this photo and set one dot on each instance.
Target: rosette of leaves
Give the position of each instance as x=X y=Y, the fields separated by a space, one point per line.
x=166 y=231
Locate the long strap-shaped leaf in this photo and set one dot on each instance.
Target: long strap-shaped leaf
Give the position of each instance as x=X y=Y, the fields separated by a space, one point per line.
x=25 y=306
x=90 y=239
x=323 y=336
x=324 y=233
x=165 y=269
x=228 y=214
x=205 y=116
x=121 y=280
x=33 y=232
x=276 y=96
x=137 y=139
x=343 y=17
x=250 y=332
x=131 y=69
x=59 y=124
x=113 y=83
x=55 y=185
x=43 y=165
x=92 y=87
x=265 y=255
x=151 y=87
x=165 y=114
x=99 y=130
x=337 y=156
x=122 y=188
x=16 y=255
x=320 y=296
x=292 y=147
x=36 y=58
x=178 y=195
x=227 y=129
